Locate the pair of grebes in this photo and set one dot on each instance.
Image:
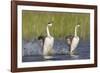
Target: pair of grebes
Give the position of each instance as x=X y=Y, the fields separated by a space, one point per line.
x=48 y=42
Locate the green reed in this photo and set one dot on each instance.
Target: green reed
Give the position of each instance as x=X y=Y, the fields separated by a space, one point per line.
x=34 y=24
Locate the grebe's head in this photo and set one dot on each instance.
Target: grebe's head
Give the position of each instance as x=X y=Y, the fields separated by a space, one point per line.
x=78 y=25
x=50 y=24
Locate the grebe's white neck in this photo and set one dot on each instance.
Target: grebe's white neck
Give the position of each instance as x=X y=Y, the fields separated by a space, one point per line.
x=48 y=33
x=75 y=34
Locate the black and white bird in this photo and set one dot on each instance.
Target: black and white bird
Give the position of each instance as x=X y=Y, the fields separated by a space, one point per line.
x=47 y=43
x=73 y=41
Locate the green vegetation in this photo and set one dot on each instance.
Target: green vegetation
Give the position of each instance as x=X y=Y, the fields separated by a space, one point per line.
x=34 y=23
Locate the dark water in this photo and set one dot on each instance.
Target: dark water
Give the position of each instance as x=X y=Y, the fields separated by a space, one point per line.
x=32 y=51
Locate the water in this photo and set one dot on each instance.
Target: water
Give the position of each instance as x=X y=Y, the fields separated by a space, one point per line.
x=32 y=51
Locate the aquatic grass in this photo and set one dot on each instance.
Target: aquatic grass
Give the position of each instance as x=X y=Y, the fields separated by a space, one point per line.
x=34 y=24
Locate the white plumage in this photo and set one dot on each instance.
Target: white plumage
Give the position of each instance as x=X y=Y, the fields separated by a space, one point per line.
x=74 y=44
x=73 y=41
x=48 y=44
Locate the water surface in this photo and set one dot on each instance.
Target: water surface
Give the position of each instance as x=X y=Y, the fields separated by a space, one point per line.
x=32 y=51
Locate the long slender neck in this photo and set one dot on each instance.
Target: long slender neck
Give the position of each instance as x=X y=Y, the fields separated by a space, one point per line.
x=75 y=34
x=48 y=33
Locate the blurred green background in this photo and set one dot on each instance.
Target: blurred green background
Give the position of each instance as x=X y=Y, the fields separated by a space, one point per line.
x=34 y=24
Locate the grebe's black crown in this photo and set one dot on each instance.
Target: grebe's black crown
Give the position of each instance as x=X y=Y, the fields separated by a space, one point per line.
x=50 y=22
